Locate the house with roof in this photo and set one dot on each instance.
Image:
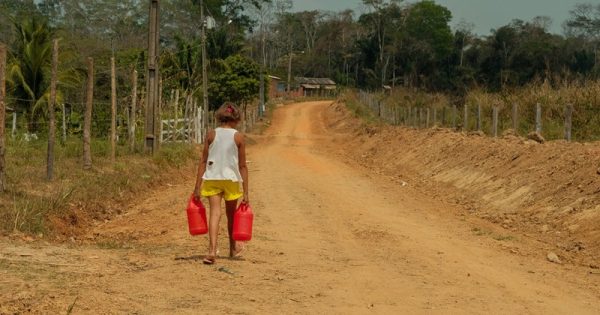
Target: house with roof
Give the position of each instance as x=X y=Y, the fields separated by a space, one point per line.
x=311 y=87
x=301 y=87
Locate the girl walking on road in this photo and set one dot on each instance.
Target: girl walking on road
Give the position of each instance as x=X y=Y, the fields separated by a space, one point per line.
x=221 y=170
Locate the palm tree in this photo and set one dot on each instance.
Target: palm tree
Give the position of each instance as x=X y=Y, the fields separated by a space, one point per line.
x=30 y=65
x=29 y=71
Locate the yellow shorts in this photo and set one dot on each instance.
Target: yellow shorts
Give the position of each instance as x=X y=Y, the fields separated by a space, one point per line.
x=230 y=190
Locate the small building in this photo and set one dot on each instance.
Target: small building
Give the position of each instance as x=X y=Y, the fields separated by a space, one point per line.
x=301 y=87
x=276 y=87
x=312 y=87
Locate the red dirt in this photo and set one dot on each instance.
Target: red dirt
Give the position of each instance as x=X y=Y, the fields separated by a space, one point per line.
x=548 y=192
x=330 y=237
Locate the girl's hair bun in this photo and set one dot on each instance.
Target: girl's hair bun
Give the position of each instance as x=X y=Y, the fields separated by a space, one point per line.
x=228 y=112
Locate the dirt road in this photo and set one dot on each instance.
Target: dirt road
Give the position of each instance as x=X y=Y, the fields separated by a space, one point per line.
x=329 y=239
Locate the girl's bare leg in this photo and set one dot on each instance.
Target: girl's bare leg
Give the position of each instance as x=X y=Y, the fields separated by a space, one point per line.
x=230 y=207
x=213 y=223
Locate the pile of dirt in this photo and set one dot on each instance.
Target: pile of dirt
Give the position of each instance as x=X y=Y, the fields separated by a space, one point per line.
x=549 y=192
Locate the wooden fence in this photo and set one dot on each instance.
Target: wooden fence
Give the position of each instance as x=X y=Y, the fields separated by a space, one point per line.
x=469 y=118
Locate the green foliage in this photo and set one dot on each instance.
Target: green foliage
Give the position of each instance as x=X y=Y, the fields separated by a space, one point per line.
x=427 y=25
x=236 y=80
x=29 y=67
x=183 y=66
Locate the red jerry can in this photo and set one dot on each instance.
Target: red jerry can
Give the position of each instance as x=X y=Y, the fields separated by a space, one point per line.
x=242 y=223
x=196 y=214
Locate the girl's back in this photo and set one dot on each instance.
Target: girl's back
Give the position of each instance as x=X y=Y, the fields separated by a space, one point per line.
x=223 y=162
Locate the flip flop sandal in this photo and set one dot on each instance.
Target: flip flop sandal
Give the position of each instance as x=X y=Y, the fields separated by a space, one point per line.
x=239 y=253
x=209 y=260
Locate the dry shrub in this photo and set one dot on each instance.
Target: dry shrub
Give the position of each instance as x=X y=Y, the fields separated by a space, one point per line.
x=66 y=205
x=553 y=98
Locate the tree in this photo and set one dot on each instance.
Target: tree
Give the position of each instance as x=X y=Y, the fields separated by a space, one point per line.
x=236 y=79
x=585 y=22
x=382 y=23
x=29 y=70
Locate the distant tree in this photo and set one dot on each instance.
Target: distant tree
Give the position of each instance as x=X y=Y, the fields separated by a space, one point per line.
x=585 y=22
x=430 y=42
x=235 y=79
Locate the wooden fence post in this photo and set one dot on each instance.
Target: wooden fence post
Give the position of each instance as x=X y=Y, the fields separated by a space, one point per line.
x=51 y=113
x=454 y=114
x=64 y=123
x=427 y=111
x=479 y=117
x=113 y=110
x=13 y=133
x=515 y=117
x=466 y=118
x=416 y=118
x=495 y=121
x=444 y=114
x=191 y=121
x=132 y=118
x=87 y=120
x=175 y=123
x=2 y=116
x=568 y=121
x=434 y=117
x=538 y=118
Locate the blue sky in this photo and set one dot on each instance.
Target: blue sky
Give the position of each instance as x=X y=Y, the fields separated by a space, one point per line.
x=485 y=14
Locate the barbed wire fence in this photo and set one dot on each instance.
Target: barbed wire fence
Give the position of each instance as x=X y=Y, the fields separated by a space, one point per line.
x=540 y=122
x=180 y=118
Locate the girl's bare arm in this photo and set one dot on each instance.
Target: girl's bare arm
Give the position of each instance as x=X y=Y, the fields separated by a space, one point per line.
x=203 y=160
x=241 y=143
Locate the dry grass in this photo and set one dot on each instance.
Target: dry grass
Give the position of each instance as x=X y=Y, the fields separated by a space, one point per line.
x=585 y=98
x=66 y=205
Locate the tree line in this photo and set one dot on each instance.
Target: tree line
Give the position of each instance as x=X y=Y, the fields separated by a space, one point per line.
x=391 y=43
x=101 y=29
x=412 y=44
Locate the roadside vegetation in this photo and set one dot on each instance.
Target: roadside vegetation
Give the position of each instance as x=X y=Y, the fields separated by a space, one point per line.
x=68 y=205
x=409 y=49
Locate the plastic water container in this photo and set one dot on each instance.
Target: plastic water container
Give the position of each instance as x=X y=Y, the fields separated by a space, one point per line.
x=242 y=223
x=196 y=213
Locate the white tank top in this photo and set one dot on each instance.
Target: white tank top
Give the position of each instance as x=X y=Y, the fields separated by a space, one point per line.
x=223 y=161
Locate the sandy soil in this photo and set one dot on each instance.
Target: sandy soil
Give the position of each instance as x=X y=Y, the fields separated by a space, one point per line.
x=331 y=237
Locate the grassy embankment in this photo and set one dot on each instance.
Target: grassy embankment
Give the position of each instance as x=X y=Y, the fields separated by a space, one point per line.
x=67 y=205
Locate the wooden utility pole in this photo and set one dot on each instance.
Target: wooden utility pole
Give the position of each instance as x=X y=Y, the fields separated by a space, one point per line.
x=151 y=143
x=2 y=115
x=87 y=120
x=132 y=118
x=51 y=114
x=204 y=67
x=113 y=110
